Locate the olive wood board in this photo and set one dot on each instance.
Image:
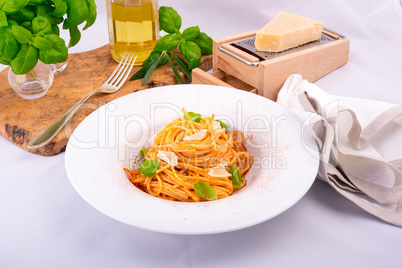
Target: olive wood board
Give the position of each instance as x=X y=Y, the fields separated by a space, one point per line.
x=22 y=119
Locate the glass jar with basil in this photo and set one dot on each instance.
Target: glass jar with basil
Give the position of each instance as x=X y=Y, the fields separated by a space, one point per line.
x=30 y=33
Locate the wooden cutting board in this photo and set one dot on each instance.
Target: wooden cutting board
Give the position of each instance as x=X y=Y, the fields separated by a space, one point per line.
x=21 y=119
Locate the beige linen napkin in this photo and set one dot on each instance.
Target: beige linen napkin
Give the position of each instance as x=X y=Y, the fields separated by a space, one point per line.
x=360 y=145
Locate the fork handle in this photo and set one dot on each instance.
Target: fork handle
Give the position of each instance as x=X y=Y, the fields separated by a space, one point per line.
x=47 y=134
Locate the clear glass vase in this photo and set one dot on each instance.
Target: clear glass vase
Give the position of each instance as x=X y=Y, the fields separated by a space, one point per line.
x=58 y=67
x=34 y=84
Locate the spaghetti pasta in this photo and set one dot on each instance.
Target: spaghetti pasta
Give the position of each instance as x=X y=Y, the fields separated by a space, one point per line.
x=201 y=149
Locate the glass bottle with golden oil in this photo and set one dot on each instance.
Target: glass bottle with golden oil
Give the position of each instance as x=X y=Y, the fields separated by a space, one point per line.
x=133 y=27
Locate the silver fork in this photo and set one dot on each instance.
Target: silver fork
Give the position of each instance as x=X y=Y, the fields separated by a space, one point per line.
x=112 y=84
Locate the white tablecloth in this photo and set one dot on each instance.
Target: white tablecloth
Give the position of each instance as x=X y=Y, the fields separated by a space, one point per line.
x=45 y=223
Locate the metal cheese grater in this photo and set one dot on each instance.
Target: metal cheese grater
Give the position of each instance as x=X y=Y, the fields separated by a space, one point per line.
x=248 y=45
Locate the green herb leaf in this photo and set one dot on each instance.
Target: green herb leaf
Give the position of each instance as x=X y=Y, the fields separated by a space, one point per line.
x=223 y=125
x=25 y=60
x=169 y=19
x=25 y=14
x=149 y=168
x=58 y=53
x=45 y=10
x=191 y=33
x=183 y=66
x=204 y=190
x=192 y=52
x=3 y=19
x=42 y=43
x=9 y=46
x=77 y=13
x=141 y=73
x=91 y=14
x=36 y=2
x=236 y=176
x=143 y=152
x=167 y=43
x=193 y=116
x=22 y=35
x=12 y=6
x=176 y=73
x=55 y=30
x=27 y=25
x=205 y=43
x=151 y=69
x=75 y=36
x=60 y=8
x=41 y=26
x=153 y=56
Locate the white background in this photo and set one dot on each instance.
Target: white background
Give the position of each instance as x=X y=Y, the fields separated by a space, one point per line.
x=45 y=223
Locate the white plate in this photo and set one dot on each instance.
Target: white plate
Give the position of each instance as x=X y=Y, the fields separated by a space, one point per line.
x=285 y=159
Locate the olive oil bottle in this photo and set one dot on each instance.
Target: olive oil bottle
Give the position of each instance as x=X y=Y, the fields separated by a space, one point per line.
x=133 y=27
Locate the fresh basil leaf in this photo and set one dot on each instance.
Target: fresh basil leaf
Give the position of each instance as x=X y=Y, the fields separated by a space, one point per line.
x=22 y=35
x=193 y=116
x=152 y=69
x=25 y=14
x=176 y=73
x=75 y=36
x=55 y=30
x=4 y=61
x=183 y=66
x=76 y=14
x=60 y=8
x=192 y=52
x=12 y=6
x=42 y=43
x=191 y=33
x=143 y=152
x=204 y=190
x=36 y=2
x=45 y=10
x=41 y=26
x=205 y=43
x=167 y=43
x=58 y=53
x=149 y=168
x=11 y=22
x=178 y=33
x=169 y=19
x=236 y=176
x=27 y=25
x=223 y=125
x=3 y=19
x=92 y=13
x=25 y=60
x=9 y=46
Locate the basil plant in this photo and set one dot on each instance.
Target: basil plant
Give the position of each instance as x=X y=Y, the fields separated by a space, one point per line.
x=29 y=30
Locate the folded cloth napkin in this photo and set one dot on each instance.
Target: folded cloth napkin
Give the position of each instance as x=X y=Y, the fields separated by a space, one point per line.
x=359 y=143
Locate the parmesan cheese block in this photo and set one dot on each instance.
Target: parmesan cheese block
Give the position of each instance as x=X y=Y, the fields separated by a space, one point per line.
x=286 y=31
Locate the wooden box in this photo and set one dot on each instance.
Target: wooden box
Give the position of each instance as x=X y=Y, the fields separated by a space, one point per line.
x=239 y=68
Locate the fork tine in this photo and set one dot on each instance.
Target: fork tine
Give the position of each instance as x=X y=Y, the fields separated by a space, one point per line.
x=120 y=67
x=126 y=71
x=115 y=70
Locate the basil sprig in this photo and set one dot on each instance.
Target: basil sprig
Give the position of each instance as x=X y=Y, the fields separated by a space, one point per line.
x=204 y=190
x=149 y=168
x=223 y=125
x=193 y=116
x=143 y=152
x=236 y=176
x=29 y=30
x=192 y=44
